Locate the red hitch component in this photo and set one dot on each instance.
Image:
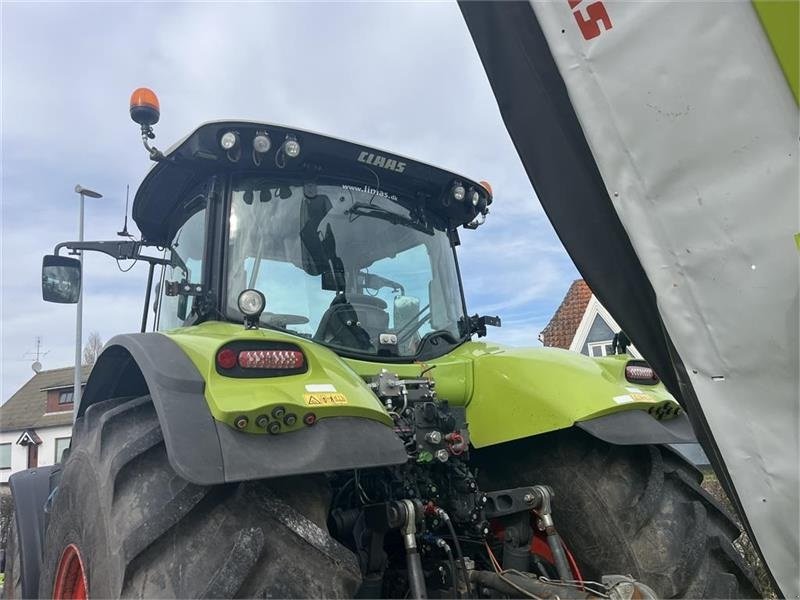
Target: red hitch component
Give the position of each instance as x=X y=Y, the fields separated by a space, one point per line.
x=456 y=442
x=271 y=359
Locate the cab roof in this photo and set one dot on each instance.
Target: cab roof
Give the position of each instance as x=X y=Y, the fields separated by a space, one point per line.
x=200 y=155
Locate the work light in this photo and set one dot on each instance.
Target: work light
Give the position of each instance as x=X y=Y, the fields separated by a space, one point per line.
x=228 y=140
x=262 y=143
x=251 y=302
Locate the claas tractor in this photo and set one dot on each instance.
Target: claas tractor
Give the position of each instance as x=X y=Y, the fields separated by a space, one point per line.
x=314 y=412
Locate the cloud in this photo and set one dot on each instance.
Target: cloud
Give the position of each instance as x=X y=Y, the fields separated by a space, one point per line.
x=401 y=76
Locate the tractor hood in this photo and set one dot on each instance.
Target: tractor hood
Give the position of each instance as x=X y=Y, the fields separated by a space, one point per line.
x=662 y=141
x=320 y=158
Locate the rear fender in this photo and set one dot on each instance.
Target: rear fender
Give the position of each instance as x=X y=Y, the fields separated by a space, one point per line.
x=207 y=452
x=521 y=392
x=31 y=489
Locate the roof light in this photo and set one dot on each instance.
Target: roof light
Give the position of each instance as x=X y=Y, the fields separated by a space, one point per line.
x=485 y=185
x=291 y=147
x=475 y=198
x=261 y=142
x=229 y=140
x=459 y=193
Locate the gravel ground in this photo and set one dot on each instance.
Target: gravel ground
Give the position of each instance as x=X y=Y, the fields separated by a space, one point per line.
x=743 y=544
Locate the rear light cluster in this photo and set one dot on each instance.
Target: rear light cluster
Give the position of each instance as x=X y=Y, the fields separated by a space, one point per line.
x=640 y=372
x=271 y=359
x=243 y=359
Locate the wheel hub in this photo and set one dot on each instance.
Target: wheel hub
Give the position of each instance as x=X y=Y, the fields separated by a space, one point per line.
x=70 y=582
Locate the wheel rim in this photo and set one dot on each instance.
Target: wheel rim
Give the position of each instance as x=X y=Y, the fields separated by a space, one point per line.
x=70 y=581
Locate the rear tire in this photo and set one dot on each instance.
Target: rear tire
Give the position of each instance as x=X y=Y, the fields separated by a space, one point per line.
x=144 y=532
x=12 y=585
x=629 y=510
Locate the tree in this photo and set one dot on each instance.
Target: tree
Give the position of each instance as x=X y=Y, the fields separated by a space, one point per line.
x=92 y=348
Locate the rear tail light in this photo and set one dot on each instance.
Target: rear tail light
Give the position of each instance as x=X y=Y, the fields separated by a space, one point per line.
x=640 y=373
x=226 y=358
x=271 y=359
x=247 y=359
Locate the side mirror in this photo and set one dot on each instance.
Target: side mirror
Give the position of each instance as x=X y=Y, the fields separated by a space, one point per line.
x=61 y=279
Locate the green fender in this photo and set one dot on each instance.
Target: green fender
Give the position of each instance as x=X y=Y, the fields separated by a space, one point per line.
x=509 y=393
x=521 y=392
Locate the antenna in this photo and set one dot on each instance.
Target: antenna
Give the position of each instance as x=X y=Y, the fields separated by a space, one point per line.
x=36 y=355
x=124 y=232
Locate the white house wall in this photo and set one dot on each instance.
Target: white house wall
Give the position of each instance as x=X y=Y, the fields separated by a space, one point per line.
x=19 y=454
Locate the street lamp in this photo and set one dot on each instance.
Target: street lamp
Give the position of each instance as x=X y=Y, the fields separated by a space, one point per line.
x=76 y=392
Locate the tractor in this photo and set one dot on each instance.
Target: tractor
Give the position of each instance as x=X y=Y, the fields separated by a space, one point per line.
x=314 y=413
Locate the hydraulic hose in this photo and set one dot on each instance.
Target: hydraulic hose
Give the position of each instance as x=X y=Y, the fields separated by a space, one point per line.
x=416 y=578
x=446 y=518
x=559 y=556
x=518 y=586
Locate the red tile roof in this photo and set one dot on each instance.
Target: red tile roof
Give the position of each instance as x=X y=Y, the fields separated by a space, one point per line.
x=562 y=327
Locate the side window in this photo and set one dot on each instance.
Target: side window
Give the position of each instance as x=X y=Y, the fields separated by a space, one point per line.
x=187 y=249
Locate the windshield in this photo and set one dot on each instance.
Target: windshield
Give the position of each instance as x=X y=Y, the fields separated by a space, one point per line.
x=344 y=265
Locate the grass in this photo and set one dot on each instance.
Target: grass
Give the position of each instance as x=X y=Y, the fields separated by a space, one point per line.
x=745 y=547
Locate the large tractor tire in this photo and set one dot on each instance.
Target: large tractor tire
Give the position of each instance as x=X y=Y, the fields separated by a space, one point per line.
x=629 y=510
x=124 y=524
x=12 y=585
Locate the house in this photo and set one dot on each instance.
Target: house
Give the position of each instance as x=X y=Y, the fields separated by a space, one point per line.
x=582 y=324
x=36 y=422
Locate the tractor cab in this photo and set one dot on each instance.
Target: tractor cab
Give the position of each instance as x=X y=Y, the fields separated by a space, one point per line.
x=345 y=245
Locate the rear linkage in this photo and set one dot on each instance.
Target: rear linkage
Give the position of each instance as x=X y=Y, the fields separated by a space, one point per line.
x=431 y=509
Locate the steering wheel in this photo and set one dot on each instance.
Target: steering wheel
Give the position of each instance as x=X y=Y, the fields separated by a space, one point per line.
x=282 y=320
x=365 y=300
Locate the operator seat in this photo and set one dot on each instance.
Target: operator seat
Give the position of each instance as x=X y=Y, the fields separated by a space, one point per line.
x=367 y=316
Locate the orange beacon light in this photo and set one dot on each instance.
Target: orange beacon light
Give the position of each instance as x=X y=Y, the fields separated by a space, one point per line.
x=144 y=107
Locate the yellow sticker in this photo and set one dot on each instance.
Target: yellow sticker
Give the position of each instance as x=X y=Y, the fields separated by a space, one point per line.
x=643 y=398
x=324 y=399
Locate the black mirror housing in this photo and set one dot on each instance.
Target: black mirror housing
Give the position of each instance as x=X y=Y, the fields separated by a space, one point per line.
x=61 y=279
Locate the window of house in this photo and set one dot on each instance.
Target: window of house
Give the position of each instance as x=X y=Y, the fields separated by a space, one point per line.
x=600 y=348
x=61 y=445
x=5 y=456
x=65 y=397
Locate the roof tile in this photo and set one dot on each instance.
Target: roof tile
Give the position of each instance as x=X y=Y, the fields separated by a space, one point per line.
x=562 y=327
x=26 y=408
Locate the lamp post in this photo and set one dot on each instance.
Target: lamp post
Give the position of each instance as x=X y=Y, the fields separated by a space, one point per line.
x=76 y=392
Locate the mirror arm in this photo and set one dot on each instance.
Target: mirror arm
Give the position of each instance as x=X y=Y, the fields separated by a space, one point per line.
x=121 y=250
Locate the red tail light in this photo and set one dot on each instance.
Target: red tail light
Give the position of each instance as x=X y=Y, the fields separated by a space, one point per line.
x=271 y=359
x=640 y=373
x=226 y=358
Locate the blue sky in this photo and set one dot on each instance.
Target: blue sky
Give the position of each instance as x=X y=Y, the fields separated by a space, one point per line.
x=400 y=76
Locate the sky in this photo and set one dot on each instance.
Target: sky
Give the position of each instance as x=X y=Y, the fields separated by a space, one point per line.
x=401 y=76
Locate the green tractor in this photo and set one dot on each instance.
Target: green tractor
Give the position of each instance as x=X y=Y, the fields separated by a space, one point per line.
x=312 y=416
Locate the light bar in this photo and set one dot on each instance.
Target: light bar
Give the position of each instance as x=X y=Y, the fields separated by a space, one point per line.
x=271 y=359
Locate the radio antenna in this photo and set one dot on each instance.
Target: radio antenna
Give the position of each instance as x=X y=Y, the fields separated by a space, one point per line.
x=124 y=232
